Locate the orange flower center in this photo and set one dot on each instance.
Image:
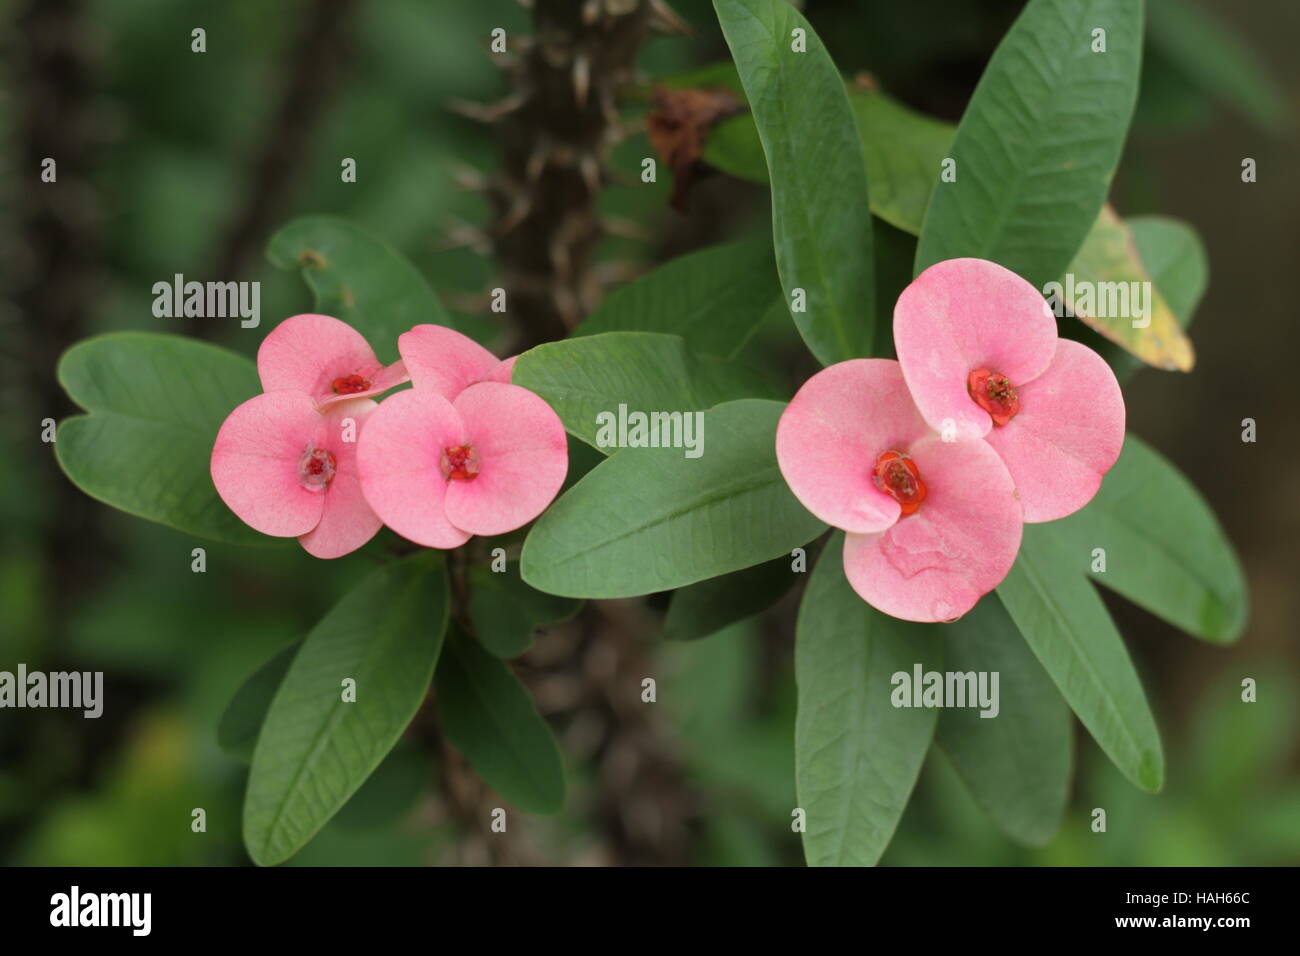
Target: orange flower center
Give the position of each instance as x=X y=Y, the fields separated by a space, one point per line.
x=350 y=384
x=459 y=463
x=317 y=468
x=993 y=392
x=897 y=476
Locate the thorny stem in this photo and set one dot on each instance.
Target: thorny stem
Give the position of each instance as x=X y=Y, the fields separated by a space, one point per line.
x=465 y=795
x=556 y=131
x=556 y=128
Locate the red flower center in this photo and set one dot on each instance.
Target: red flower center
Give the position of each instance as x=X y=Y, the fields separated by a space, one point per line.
x=459 y=463
x=350 y=385
x=317 y=468
x=897 y=476
x=993 y=392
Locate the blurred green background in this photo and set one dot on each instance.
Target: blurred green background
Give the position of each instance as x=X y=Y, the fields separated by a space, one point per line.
x=168 y=163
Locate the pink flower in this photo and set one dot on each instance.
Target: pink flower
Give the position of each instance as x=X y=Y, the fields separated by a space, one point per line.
x=324 y=357
x=288 y=469
x=439 y=471
x=932 y=525
x=980 y=353
x=447 y=362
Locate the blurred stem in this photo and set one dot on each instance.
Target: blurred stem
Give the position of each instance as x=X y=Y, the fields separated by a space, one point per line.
x=309 y=79
x=53 y=278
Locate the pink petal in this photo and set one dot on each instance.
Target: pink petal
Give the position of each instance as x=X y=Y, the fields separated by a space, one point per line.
x=443 y=360
x=1067 y=434
x=961 y=315
x=505 y=368
x=348 y=521
x=523 y=458
x=399 y=456
x=256 y=463
x=832 y=432
x=311 y=353
x=935 y=564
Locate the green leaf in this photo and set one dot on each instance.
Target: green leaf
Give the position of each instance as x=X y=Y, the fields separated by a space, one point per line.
x=1015 y=763
x=733 y=146
x=714 y=299
x=390 y=791
x=857 y=756
x=242 y=719
x=316 y=749
x=359 y=279
x=1067 y=627
x=648 y=519
x=1039 y=142
x=490 y=718
x=904 y=151
x=155 y=403
x=647 y=372
x=821 y=213
x=1164 y=548
x=506 y=611
x=707 y=607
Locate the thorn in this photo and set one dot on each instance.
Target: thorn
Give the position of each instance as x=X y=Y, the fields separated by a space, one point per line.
x=612 y=273
x=581 y=79
x=625 y=229
x=504 y=60
x=520 y=207
x=621 y=8
x=488 y=112
x=620 y=177
x=558 y=253
x=566 y=303
x=555 y=53
x=862 y=80
x=471 y=303
x=536 y=164
x=617 y=131
x=665 y=20
x=459 y=234
x=589 y=167
x=468 y=179
x=609 y=107
x=614 y=134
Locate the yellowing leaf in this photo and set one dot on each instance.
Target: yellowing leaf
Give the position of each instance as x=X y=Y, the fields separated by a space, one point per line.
x=1106 y=263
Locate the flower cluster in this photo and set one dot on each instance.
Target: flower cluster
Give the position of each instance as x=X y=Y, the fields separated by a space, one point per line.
x=931 y=464
x=315 y=457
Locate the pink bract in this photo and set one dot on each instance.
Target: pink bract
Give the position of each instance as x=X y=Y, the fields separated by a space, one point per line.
x=288 y=469
x=438 y=471
x=443 y=360
x=958 y=543
x=1066 y=427
x=326 y=358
